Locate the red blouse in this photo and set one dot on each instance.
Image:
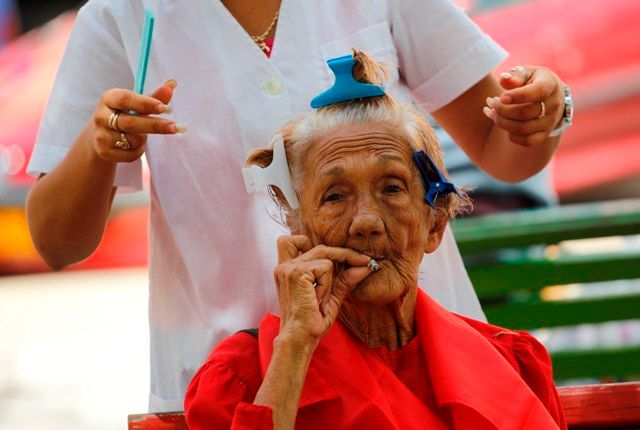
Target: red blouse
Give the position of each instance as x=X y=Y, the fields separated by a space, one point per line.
x=456 y=373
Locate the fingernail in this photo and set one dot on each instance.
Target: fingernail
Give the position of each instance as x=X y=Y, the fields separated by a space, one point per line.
x=506 y=75
x=161 y=108
x=492 y=102
x=171 y=127
x=505 y=98
x=181 y=128
x=171 y=83
x=488 y=112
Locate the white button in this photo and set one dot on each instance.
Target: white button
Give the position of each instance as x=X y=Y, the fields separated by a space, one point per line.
x=273 y=85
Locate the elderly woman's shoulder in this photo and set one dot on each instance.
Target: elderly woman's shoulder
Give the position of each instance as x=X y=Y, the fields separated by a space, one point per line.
x=238 y=353
x=521 y=349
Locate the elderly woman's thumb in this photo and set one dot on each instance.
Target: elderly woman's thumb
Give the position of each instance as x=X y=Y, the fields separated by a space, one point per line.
x=348 y=279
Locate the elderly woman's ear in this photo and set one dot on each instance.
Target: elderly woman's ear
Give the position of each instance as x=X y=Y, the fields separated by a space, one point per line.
x=436 y=231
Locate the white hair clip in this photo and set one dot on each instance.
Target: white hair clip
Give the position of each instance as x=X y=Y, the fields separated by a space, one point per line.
x=276 y=174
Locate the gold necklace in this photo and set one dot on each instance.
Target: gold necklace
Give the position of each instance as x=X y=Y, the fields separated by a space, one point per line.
x=260 y=39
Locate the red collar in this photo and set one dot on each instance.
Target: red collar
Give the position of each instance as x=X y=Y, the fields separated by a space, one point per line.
x=465 y=369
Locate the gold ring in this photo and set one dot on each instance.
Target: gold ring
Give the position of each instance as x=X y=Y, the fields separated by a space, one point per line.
x=123 y=143
x=113 y=121
x=543 y=110
x=523 y=71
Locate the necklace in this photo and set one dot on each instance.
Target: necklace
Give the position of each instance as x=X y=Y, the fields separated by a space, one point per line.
x=260 y=39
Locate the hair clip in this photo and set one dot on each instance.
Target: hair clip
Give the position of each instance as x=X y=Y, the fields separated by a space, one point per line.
x=434 y=181
x=345 y=86
x=277 y=174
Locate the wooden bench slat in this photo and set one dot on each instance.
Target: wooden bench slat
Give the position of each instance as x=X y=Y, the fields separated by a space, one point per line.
x=526 y=316
x=547 y=225
x=597 y=363
x=602 y=406
x=159 y=421
x=586 y=407
x=501 y=278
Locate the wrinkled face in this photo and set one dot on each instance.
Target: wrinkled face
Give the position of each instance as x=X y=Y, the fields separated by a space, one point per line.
x=360 y=190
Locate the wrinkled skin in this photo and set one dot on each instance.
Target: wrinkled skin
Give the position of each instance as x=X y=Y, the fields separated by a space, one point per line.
x=360 y=190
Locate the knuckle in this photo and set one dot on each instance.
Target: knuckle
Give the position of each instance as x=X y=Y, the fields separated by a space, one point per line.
x=282 y=241
x=157 y=127
x=122 y=98
x=322 y=249
x=521 y=127
x=531 y=139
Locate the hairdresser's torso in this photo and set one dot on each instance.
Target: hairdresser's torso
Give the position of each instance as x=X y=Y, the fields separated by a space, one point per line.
x=211 y=244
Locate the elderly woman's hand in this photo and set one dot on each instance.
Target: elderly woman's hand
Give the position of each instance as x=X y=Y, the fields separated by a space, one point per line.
x=134 y=127
x=312 y=282
x=532 y=106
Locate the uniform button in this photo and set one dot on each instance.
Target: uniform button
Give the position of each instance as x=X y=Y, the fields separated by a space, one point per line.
x=273 y=85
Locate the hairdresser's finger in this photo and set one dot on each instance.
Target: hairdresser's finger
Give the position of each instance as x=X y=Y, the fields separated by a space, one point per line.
x=520 y=112
x=538 y=88
x=118 y=99
x=164 y=93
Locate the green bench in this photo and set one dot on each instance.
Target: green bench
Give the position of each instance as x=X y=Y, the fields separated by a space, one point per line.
x=512 y=257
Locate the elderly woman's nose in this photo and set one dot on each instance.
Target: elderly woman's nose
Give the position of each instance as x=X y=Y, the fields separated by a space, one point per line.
x=366 y=224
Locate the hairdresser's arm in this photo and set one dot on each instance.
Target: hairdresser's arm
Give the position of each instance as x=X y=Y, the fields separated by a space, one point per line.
x=507 y=140
x=67 y=208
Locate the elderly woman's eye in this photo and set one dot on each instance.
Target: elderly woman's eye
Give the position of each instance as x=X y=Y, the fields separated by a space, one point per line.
x=333 y=197
x=392 y=189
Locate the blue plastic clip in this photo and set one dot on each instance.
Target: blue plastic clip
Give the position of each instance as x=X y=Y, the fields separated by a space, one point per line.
x=345 y=87
x=434 y=181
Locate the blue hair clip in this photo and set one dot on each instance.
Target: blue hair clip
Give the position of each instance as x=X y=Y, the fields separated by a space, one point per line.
x=434 y=181
x=345 y=87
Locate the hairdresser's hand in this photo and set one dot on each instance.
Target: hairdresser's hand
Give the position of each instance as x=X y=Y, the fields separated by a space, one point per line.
x=518 y=110
x=135 y=127
x=312 y=282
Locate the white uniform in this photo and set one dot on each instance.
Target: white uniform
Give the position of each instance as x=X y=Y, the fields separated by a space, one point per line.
x=212 y=245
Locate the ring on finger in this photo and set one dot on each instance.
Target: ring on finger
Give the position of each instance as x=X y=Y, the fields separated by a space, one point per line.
x=522 y=71
x=123 y=143
x=113 y=120
x=543 y=110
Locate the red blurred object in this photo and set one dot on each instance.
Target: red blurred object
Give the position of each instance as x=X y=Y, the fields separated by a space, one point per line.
x=593 y=45
x=28 y=67
x=124 y=243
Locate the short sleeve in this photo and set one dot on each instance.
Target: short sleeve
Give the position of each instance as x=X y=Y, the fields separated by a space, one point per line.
x=533 y=363
x=441 y=52
x=218 y=398
x=94 y=61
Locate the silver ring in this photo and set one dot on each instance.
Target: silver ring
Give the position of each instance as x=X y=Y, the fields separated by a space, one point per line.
x=523 y=71
x=373 y=265
x=543 y=111
x=113 y=121
x=123 y=143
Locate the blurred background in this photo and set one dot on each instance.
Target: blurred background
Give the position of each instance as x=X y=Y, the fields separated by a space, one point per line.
x=74 y=344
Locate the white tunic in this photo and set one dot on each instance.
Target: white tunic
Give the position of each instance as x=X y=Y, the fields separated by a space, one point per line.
x=212 y=246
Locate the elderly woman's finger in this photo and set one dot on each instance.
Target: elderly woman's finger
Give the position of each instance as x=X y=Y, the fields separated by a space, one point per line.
x=343 y=284
x=539 y=87
x=337 y=255
x=118 y=99
x=519 y=112
x=289 y=247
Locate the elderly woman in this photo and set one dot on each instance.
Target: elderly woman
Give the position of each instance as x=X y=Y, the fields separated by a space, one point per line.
x=357 y=344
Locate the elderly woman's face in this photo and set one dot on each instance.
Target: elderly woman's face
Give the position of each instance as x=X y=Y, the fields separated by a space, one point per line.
x=360 y=190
